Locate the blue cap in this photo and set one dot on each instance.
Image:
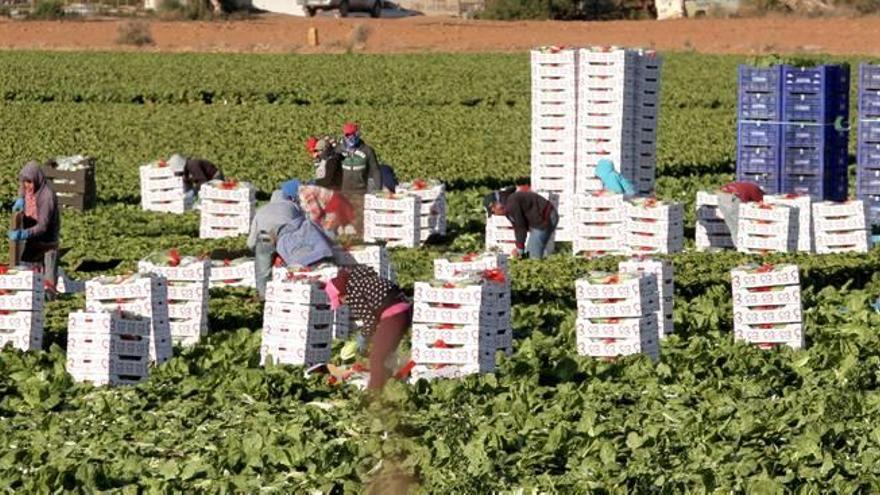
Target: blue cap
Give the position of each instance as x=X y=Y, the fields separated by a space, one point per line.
x=290 y=188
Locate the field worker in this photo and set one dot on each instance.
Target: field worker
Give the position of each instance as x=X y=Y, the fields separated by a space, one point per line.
x=731 y=196
x=327 y=161
x=195 y=172
x=360 y=172
x=613 y=181
x=389 y=178
x=327 y=208
x=383 y=309
x=264 y=233
x=41 y=222
x=302 y=243
x=531 y=215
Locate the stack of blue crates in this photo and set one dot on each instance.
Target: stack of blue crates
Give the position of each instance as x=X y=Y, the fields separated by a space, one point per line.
x=868 y=171
x=759 y=108
x=788 y=141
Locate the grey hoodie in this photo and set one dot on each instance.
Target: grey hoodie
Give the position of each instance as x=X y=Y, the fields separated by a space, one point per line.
x=47 y=226
x=271 y=216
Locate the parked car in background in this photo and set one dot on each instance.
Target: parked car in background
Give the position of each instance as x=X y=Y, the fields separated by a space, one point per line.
x=373 y=7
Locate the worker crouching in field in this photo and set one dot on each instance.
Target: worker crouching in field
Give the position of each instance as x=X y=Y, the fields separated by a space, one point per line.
x=381 y=306
x=532 y=216
x=730 y=196
x=41 y=223
x=263 y=237
x=195 y=172
x=612 y=181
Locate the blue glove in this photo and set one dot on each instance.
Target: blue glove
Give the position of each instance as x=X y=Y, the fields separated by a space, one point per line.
x=18 y=205
x=18 y=235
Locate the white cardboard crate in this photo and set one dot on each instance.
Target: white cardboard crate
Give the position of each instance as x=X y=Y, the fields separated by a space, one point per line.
x=297 y=356
x=22 y=329
x=617 y=328
x=608 y=348
x=299 y=314
x=217 y=190
x=294 y=334
x=423 y=353
x=429 y=372
x=190 y=269
x=239 y=273
x=804 y=207
x=445 y=269
x=632 y=308
x=427 y=333
x=754 y=276
x=468 y=315
x=486 y=295
x=296 y=292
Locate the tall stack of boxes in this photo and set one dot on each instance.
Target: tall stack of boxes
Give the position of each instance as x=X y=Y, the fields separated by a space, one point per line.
x=432 y=210
x=21 y=309
x=767 y=305
x=188 y=281
x=653 y=227
x=108 y=348
x=374 y=256
x=162 y=189
x=457 y=326
x=766 y=228
x=297 y=323
x=144 y=295
x=554 y=125
x=617 y=315
x=711 y=230
x=663 y=273
x=791 y=131
x=841 y=227
x=393 y=218
x=227 y=209
x=868 y=154
x=589 y=104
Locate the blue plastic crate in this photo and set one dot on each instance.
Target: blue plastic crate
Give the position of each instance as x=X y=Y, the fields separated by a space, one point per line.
x=760 y=79
x=758 y=159
x=869 y=131
x=868 y=183
x=824 y=79
x=872 y=202
x=813 y=160
x=768 y=181
x=815 y=107
x=868 y=155
x=812 y=136
x=869 y=76
x=759 y=134
x=819 y=187
x=762 y=106
x=869 y=103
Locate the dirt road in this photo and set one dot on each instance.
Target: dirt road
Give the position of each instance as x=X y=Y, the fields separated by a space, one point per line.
x=283 y=34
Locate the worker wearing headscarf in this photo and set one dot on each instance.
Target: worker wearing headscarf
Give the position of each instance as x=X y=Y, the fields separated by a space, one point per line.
x=612 y=181
x=41 y=224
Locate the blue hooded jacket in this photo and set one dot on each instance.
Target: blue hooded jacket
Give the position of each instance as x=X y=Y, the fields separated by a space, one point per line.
x=301 y=242
x=613 y=181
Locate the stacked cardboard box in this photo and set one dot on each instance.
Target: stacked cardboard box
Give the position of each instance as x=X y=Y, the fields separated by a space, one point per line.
x=711 y=231
x=491 y=264
x=599 y=223
x=457 y=323
x=188 y=280
x=765 y=227
x=653 y=227
x=432 y=208
x=342 y=324
x=500 y=235
x=144 y=295
x=393 y=218
x=162 y=190
x=804 y=206
x=239 y=272
x=842 y=227
x=297 y=323
x=767 y=305
x=663 y=274
x=108 y=348
x=617 y=315
x=227 y=209
x=21 y=305
x=376 y=257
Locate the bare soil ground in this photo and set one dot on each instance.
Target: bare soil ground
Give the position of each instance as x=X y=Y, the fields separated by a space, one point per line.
x=284 y=34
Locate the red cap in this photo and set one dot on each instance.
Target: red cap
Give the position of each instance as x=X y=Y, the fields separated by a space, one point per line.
x=349 y=128
x=312 y=143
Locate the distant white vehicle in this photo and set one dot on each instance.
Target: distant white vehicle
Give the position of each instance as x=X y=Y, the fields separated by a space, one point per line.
x=373 y=7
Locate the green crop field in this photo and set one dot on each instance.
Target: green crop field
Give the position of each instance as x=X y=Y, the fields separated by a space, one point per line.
x=711 y=416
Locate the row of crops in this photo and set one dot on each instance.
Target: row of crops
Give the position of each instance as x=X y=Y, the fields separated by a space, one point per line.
x=712 y=416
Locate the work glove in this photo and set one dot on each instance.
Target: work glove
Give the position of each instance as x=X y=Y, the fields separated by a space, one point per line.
x=18 y=205
x=18 y=235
